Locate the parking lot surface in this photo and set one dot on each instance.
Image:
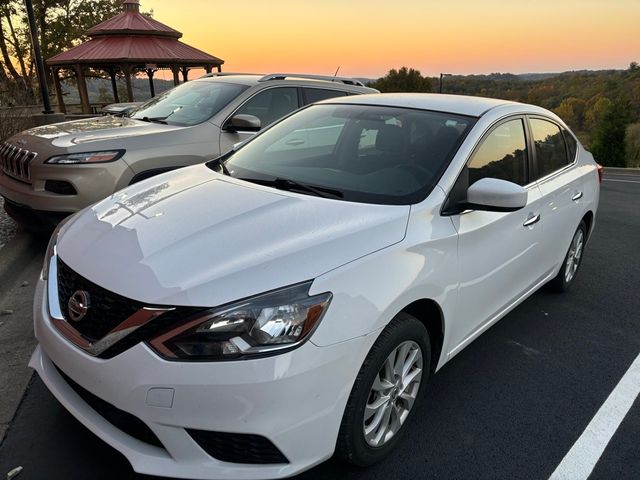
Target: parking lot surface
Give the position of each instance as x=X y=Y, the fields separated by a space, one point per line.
x=511 y=405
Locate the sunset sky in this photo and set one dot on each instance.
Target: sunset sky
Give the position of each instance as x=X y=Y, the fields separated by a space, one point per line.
x=369 y=37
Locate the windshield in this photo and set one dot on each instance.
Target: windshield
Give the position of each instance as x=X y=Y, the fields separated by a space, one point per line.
x=357 y=153
x=189 y=104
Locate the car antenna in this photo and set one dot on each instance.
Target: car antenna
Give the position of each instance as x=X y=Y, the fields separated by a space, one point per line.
x=337 y=70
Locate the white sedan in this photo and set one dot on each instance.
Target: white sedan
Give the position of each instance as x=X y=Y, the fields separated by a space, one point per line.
x=250 y=317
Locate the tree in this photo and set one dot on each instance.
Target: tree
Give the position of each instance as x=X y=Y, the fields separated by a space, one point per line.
x=608 y=143
x=632 y=145
x=403 y=80
x=61 y=25
x=572 y=110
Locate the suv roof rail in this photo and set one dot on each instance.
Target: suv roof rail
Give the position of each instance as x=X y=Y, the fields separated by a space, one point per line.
x=224 y=74
x=326 y=78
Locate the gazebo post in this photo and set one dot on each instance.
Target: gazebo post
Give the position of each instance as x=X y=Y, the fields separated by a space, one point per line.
x=82 y=89
x=150 y=75
x=176 y=79
x=56 y=81
x=114 y=85
x=127 y=76
x=219 y=68
x=185 y=74
x=207 y=68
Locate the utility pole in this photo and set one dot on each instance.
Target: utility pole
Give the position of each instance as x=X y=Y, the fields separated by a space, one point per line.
x=42 y=78
x=443 y=75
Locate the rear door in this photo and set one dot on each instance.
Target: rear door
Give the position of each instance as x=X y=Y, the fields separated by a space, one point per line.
x=498 y=251
x=560 y=183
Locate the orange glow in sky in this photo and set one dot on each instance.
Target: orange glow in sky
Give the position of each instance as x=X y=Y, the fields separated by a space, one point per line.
x=366 y=38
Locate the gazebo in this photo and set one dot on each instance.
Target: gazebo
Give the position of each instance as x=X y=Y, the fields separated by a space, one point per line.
x=129 y=43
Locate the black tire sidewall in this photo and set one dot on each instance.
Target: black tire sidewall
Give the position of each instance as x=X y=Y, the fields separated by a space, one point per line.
x=352 y=445
x=565 y=285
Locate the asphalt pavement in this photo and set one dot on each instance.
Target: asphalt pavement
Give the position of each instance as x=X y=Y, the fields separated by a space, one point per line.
x=510 y=406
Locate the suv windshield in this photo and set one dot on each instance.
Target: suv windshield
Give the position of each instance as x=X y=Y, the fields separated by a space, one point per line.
x=189 y=104
x=357 y=153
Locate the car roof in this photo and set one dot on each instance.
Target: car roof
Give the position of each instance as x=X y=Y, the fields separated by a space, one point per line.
x=458 y=104
x=251 y=79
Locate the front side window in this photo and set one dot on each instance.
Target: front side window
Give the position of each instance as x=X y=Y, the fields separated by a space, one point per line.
x=189 y=104
x=502 y=155
x=357 y=153
x=271 y=104
x=551 y=153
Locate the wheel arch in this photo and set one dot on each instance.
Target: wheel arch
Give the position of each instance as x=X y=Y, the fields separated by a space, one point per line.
x=429 y=313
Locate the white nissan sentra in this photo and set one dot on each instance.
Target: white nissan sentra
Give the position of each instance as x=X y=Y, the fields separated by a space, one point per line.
x=249 y=317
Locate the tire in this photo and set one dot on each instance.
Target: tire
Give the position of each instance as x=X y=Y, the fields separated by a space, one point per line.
x=571 y=262
x=404 y=336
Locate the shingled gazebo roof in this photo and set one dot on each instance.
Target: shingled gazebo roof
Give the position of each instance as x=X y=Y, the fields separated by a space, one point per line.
x=131 y=42
x=133 y=38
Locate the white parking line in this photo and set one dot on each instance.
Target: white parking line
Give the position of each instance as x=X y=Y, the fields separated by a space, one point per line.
x=625 y=181
x=585 y=453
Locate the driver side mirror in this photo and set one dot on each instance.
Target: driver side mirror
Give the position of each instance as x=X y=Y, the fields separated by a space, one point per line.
x=243 y=123
x=494 y=195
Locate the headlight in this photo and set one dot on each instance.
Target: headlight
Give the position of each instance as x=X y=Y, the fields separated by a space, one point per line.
x=278 y=320
x=86 y=157
x=51 y=248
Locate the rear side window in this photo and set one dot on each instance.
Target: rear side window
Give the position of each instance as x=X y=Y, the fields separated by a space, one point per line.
x=312 y=95
x=572 y=145
x=551 y=152
x=502 y=155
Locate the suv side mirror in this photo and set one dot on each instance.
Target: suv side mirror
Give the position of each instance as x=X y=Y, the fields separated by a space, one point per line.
x=494 y=195
x=243 y=123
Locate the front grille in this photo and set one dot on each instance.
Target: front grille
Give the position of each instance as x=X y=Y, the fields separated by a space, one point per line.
x=15 y=162
x=107 y=309
x=127 y=423
x=238 y=447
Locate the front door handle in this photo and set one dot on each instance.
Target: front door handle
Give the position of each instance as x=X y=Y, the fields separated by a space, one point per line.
x=531 y=220
x=577 y=197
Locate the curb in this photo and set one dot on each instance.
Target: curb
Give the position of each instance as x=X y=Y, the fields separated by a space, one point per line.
x=15 y=256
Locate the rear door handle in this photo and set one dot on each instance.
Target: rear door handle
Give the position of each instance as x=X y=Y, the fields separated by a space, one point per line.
x=577 y=197
x=531 y=220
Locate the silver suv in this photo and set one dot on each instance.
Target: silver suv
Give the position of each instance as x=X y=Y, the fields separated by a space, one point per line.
x=51 y=171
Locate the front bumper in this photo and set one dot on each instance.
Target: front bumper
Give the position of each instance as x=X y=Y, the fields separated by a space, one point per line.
x=91 y=183
x=295 y=400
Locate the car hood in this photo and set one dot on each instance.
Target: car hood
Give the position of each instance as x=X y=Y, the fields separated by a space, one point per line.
x=87 y=131
x=195 y=237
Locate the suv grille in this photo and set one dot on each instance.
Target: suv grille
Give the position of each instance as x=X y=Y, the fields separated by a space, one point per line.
x=238 y=447
x=107 y=311
x=14 y=161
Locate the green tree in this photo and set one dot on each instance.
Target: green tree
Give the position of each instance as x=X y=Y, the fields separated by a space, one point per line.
x=608 y=142
x=403 y=80
x=572 y=111
x=632 y=145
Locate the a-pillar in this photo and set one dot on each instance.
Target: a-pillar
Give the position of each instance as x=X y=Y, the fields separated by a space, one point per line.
x=56 y=81
x=82 y=89
x=150 y=72
x=114 y=85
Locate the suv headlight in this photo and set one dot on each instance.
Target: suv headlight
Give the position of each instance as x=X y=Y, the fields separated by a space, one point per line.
x=86 y=157
x=278 y=320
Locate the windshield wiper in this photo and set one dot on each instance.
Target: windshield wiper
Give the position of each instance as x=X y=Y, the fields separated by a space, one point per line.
x=153 y=119
x=291 y=185
x=219 y=162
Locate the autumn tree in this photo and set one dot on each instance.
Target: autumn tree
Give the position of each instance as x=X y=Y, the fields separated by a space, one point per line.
x=403 y=80
x=608 y=143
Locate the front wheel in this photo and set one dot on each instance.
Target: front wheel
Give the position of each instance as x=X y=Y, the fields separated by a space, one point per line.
x=572 y=261
x=386 y=392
